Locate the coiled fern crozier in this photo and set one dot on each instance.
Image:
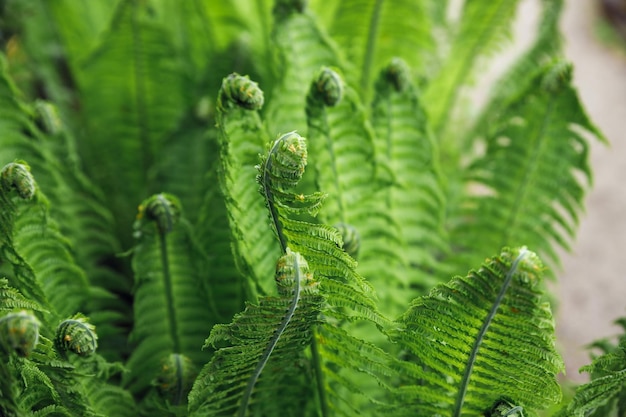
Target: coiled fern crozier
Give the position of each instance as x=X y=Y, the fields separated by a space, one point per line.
x=285 y=208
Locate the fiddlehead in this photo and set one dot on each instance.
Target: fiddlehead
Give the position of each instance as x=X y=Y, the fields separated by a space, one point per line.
x=164 y=209
x=17 y=176
x=76 y=335
x=240 y=91
x=327 y=87
x=176 y=377
x=351 y=239
x=20 y=332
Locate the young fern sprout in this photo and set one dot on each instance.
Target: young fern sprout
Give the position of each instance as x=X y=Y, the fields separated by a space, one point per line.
x=351 y=239
x=175 y=377
x=76 y=335
x=163 y=208
x=328 y=87
x=20 y=332
x=399 y=74
x=241 y=91
x=16 y=175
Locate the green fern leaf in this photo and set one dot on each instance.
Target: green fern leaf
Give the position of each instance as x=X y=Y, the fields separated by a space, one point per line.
x=242 y=138
x=605 y=394
x=416 y=200
x=545 y=49
x=11 y=299
x=534 y=174
x=483 y=27
x=342 y=376
x=230 y=289
x=171 y=306
x=136 y=60
x=303 y=48
x=37 y=247
x=372 y=32
x=479 y=339
x=340 y=137
x=270 y=335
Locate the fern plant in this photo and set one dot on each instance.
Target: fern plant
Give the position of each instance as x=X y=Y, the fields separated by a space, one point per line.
x=260 y=208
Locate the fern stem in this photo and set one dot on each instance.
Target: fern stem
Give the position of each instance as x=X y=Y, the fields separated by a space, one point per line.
x=269 y=197
x=483 y=330
x=370 y=49
x=319 y=375
x=247 y=395
x=167 y=277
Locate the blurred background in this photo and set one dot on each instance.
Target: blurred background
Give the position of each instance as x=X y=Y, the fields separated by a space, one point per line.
x=591 y=288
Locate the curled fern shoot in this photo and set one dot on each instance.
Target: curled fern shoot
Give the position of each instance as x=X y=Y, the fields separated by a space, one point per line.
x=242 y=137
x=164 y=209
x=76 y=335
x=19 y=332
x=240 y=91
x=176 y=377
x=328 y=87
x=457 y=334
x=17 y=176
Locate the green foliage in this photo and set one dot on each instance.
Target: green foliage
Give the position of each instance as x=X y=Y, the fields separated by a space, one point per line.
x=106 y=104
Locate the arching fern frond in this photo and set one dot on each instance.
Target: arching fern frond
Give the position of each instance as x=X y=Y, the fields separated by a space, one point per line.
x=265 y=347
x=416 y=199
x=481 y=338
x=545 y=49
x=345 y=366
x=135 y=58
x=528 y=188
x=171 y=306
x=242 y=139
x=374 y=31
x=605 y=394
x=340 y=138
x=303 y=47
x=484 y=26
x=36 y=245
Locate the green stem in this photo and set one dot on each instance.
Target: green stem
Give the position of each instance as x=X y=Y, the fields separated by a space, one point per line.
x=167 y=278
x=269 y=197
x=483 y=331
x=319 y=375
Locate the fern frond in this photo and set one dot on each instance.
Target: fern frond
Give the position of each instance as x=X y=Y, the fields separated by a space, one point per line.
x=528 y=188
x=416 y=199
x=38 y=248
x=373 y=31
x=340 y=138
x=171 y=307
x=242 y=139
x=303 y=48
x=270 y=335
x=341 y=377
x=481 y=338
x=229 y=288
x=126 y=123
x=11 y=299
x=484 y=26
x=605 y=394
x=545 y=49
